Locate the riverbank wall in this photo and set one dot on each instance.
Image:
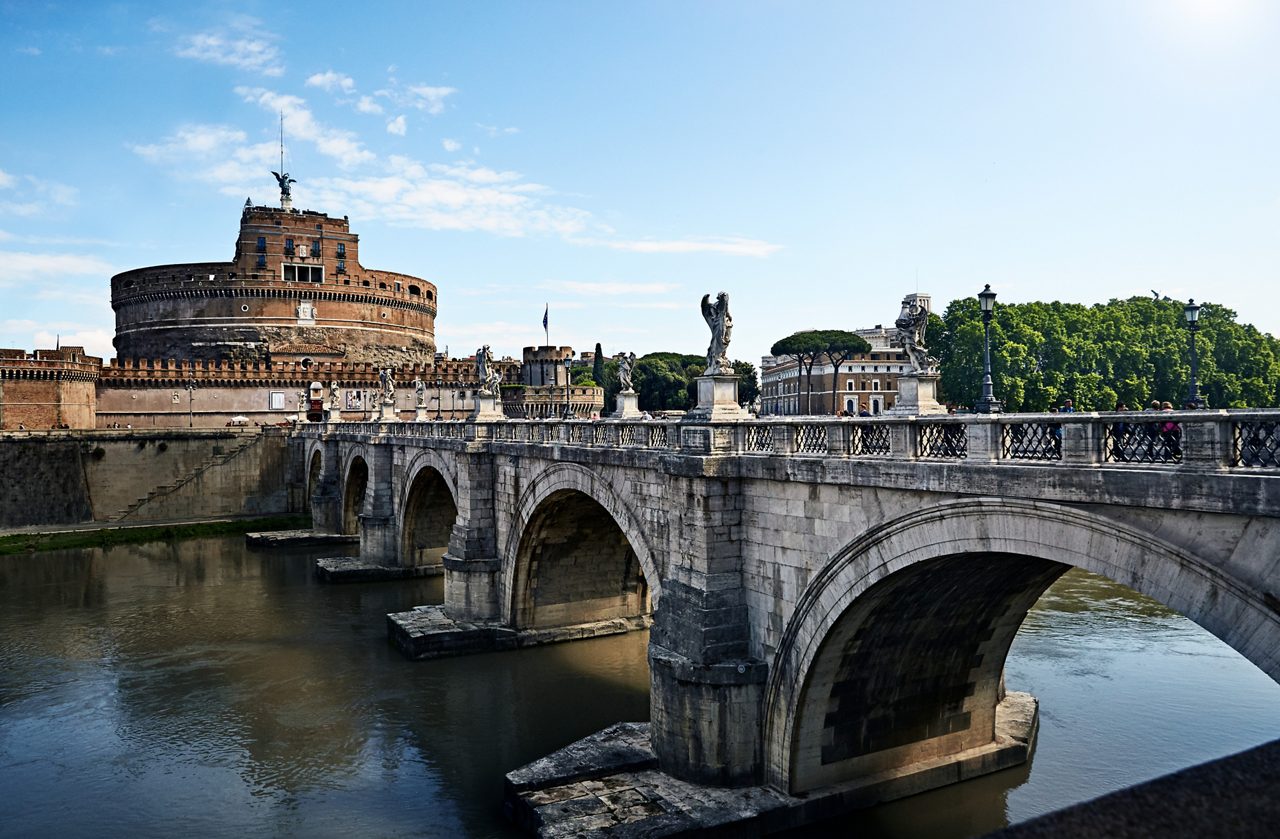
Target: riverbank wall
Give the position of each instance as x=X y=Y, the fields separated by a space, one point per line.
x=134 y=475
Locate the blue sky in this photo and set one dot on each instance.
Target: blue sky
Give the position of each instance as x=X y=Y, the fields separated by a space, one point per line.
x=619 y=160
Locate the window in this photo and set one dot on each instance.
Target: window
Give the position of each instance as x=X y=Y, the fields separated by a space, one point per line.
x=315 y=248
x=342 y=266
x=303 y=273
x=342 y=250
x=277 y=400
x=262 y=260
x=849 y=385
x=875 y=384
x=262 y=244
x=288 y=246
x=414 y=291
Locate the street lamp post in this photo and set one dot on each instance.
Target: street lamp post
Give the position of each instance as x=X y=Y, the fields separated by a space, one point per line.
x=1192 y=313
x=191 y=395
x=439 y=393
x=988 y=404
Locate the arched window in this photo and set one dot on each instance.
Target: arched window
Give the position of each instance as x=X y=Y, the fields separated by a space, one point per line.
x=414 y=291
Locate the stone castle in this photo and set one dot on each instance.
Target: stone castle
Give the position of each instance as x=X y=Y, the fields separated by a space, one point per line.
x=246 y=341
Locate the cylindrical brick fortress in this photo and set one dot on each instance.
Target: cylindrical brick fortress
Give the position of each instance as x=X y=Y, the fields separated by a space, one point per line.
x=295 y=290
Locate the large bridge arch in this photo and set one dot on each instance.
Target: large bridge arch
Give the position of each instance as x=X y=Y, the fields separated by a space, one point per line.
x=428 y=507
x=973 y=567
x=563 y=504
x=356 y=480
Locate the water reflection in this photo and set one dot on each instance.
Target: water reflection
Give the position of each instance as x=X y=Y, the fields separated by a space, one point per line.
x=211 y=690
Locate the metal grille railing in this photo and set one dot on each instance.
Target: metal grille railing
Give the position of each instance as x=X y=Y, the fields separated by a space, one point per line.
x=1159 y=441
x=575 y=433
x=811 y=439
x=657 y=436
x=630 y=435
x=944 y=440
x=759 y=438
x=1032 y=441
x=869 y=439
x=1255 y=443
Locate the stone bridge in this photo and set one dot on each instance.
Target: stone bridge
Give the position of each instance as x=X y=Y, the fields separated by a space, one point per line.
x=832 y=600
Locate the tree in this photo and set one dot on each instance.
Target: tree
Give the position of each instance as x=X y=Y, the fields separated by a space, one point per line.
x=1130 y=351
x=748 y=384
x=839 y=346
x=597 y=365
x=804 y=347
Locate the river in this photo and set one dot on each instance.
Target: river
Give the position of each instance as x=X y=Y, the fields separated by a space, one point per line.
x=206 y=689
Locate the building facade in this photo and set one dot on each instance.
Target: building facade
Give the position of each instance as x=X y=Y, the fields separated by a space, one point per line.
x=866 y=382
x=48 y=389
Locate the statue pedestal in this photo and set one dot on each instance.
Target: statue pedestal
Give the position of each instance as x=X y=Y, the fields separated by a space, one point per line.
x=332 y=415
x=717 y=400
x=917 y=396
x=388 y=412
x=628 y=405
x=420 y=414
x=487 y=409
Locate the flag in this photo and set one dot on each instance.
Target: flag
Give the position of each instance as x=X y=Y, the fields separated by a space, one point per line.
x=545 y=312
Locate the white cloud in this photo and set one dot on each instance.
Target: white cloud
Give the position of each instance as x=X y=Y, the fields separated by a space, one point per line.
x=300 y=124
x=96 y=342
x=192 y=139
x=32 y=196
x=25 y=267
x=475 y=174
x=110 y=52
x=366 y=105
x=497 y=131
x=244 y=46
x=731 y=246
x=610 y=288
x=29 y=50
x=450 y=145
x=398 y=126
x=330 y=81
x=428 y=98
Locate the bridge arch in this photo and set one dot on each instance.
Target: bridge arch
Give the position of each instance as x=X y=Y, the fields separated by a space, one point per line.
x=315 y=473
x=861 y=684
x=355 y=490
x=575 y=553
x=428 y=508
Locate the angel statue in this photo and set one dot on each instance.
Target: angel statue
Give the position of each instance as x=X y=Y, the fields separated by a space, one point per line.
x=911 y=324
x=419 y=392
x=490 y=378
x=721 y=323
x=333 y=396
x=626 y=363
x=388 y=386
x=284 y=180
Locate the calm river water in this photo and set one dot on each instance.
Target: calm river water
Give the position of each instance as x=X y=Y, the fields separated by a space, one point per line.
x=208 y=690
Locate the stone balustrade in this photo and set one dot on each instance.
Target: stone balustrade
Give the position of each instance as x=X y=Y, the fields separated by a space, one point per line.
x=1182 y=439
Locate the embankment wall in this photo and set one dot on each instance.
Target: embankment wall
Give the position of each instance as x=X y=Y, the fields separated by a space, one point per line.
x=71 y=477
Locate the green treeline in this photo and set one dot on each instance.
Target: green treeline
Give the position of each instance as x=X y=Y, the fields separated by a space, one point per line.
x=664 y=380
x=1130 y=351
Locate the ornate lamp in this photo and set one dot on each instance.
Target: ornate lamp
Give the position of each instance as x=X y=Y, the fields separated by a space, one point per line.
x=988 y=404
x=1191 y=312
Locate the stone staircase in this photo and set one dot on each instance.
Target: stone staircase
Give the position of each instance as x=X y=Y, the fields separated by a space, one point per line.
x=248 y=440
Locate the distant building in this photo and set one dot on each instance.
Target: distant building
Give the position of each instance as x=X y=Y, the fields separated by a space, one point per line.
x=48 y=389
x=865 y=382
x=545 y=390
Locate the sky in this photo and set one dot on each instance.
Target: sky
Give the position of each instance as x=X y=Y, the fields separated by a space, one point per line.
x=616 y=161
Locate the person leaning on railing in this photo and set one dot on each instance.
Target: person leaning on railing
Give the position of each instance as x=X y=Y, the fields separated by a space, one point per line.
x=1170 y=434
x=1120 y=434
